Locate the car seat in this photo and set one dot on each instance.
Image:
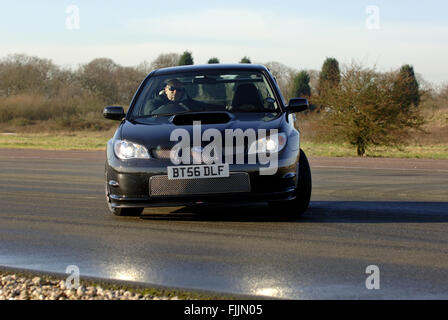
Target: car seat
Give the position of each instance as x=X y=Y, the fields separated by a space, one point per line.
x=247 y=99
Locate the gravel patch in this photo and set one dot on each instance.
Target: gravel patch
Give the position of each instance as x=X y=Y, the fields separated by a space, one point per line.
x=21 y=287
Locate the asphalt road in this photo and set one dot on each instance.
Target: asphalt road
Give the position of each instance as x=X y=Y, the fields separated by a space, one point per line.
x=392 y=214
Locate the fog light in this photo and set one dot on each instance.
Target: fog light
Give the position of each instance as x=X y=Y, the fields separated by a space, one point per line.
x=114 y=183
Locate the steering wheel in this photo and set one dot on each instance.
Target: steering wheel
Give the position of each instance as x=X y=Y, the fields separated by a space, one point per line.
x=171 y=107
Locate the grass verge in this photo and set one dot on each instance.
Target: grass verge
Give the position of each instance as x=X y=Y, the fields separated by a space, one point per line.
x=60 y=141
x=98 y=141
x=430 y=151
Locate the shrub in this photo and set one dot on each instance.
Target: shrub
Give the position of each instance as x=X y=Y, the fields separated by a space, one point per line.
x=363 y=110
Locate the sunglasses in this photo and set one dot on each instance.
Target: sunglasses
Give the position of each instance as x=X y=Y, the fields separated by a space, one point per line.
x=171 y=88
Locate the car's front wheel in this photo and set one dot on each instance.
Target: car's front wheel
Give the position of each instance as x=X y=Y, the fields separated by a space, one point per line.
x=303 y=191
x=122 y=212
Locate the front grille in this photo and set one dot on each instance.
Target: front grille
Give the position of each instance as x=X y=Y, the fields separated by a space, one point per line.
x=236 y=183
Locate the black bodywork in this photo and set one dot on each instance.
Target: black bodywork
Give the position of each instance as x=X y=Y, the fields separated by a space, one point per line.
x=128 y=181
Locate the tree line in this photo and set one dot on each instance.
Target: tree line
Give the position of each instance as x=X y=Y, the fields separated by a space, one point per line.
x=101 y=77
x=359 y=105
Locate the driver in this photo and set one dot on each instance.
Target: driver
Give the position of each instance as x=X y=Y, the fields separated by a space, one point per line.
x=173 y=99
x=174 y=91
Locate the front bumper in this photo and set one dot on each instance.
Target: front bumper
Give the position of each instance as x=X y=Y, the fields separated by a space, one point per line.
x=131 y=187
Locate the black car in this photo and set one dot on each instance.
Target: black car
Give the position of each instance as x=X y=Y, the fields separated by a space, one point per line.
x=207 y=134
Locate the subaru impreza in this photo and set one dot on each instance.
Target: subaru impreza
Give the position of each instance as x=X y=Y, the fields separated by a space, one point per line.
x=207 y=134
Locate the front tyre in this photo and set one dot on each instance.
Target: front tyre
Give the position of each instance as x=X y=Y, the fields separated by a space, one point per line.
x=300 y=204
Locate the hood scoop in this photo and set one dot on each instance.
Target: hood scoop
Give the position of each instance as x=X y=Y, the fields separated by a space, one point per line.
x=204 y=117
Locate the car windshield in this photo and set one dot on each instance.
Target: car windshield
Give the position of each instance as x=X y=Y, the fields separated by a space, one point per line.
x=205 y=92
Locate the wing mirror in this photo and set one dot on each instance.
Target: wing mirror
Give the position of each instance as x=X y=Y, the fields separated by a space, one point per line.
x=297 y=105
x=114 y=113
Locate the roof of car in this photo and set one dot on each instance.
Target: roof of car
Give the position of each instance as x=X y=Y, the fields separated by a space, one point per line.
x=209 y=67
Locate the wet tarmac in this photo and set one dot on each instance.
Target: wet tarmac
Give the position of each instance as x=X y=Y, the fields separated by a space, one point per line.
x=52 y=215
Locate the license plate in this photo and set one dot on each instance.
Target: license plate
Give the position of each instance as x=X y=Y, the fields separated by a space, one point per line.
x=198 y=172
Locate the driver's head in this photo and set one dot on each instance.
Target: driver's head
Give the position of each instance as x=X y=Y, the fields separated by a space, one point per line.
x=174 y=90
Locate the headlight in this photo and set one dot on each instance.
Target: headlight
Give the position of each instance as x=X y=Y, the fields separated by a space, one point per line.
x=271 y=144
x=126 y=150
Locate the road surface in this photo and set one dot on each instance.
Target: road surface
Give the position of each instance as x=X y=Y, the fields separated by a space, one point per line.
x=389 y=213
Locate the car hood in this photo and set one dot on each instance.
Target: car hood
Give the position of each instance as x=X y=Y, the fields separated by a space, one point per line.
x=155 y=132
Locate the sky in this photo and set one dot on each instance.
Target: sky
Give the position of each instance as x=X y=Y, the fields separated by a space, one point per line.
x=299 y=34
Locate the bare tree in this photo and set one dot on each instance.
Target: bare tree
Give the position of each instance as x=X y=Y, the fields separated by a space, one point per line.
x=98 y=76
x=284 y=75
x=128 y=79
x=165 y=60
x=144 y=67
x=444 y=92
x=22 y=73
x=113 y=83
